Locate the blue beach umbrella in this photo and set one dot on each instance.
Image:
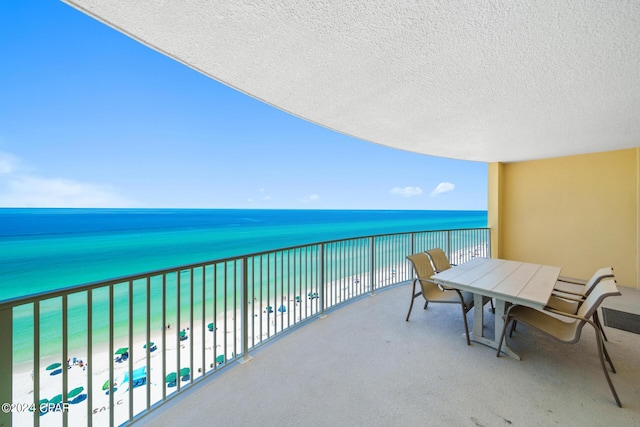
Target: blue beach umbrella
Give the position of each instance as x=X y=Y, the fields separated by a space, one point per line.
x=282 y=309
x=76 y=391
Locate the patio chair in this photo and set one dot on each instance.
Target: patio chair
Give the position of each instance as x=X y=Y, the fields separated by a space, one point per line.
x=568 y=299
x=440 y=263
x=571 y=285
x=566 y=327
x=431 y=292
x=439 y=259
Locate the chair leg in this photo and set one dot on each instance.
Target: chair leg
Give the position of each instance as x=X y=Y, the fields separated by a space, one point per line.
x=604 y=368
x=426 y=303
x=606 y=354
x=596 y=319
x=466 y=325
x=413 y=297
x=410 y=307
x=504 y=331
x=513 y=327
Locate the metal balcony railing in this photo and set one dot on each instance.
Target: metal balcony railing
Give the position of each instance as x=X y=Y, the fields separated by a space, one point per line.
x=108 y=352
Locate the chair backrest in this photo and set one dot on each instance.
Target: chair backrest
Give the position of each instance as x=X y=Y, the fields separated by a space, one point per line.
x=424 y=271
x=439 y=259
x=603 y=289
x=602 y=273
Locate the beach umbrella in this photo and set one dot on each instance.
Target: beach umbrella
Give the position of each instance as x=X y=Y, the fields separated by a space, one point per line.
x=171 y=377
x=297 y=298
x=56 y=399
x=183 y=333
x=54 y=366
x=282 y=309
x=220 y=359
x=76 y=391
x=105 y=386
x=210 y=326
x=185 y=371
x=151 y=344
x=122 y=350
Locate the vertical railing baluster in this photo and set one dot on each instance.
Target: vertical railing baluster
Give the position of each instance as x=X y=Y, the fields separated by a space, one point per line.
x=215 y=316
x=225 y=312
x=372 y=263
x=321 y=285
x=6 y=364
x=36 y=358
x=205 y=322
x=191 y=338
x=111 y=350
x=235 y=308
x=131 y=349
x=179 y=327
x=89 y=357
x=164 y=336
x=65 y=357
x=243 y=311
x=148 y=342
x=261 y=302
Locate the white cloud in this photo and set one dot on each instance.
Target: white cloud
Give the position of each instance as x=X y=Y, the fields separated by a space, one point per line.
x=310 y=198
x=407 y=191
x=19 y=188
x=443 y=187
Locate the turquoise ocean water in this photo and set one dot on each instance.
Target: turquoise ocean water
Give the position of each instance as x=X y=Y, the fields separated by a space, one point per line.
x=47 y=249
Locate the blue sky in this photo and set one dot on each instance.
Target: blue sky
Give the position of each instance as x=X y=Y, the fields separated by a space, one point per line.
x=91 y=118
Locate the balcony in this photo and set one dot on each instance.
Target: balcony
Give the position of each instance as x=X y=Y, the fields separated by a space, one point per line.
x=364 y=365
x=323 y=329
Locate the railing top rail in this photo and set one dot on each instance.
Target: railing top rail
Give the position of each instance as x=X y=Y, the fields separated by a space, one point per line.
x=133 y=277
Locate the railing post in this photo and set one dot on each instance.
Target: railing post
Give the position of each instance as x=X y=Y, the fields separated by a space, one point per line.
x=244 y=324
x=412 y=244
x=321 y=288
x=6 y=364
x=372 y=262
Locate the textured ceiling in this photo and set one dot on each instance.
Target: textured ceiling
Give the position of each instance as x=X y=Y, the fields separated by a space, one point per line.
x=475 y=80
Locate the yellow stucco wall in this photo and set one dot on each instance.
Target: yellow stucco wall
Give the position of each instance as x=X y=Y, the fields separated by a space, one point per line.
x=579 y=212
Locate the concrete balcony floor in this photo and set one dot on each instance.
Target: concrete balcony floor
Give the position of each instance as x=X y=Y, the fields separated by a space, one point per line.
x=364 y=365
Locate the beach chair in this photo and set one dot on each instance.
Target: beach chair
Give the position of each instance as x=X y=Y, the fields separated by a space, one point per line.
x=431 y=292
x=566 y=327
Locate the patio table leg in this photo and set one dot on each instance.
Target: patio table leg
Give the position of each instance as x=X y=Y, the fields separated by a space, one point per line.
x=477 y=335
x=498 y=326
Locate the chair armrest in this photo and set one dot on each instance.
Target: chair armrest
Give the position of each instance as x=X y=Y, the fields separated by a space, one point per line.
x=572 y=316
x=572 y=280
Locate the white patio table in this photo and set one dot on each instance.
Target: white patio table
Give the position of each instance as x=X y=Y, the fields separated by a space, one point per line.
x=505 y=281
